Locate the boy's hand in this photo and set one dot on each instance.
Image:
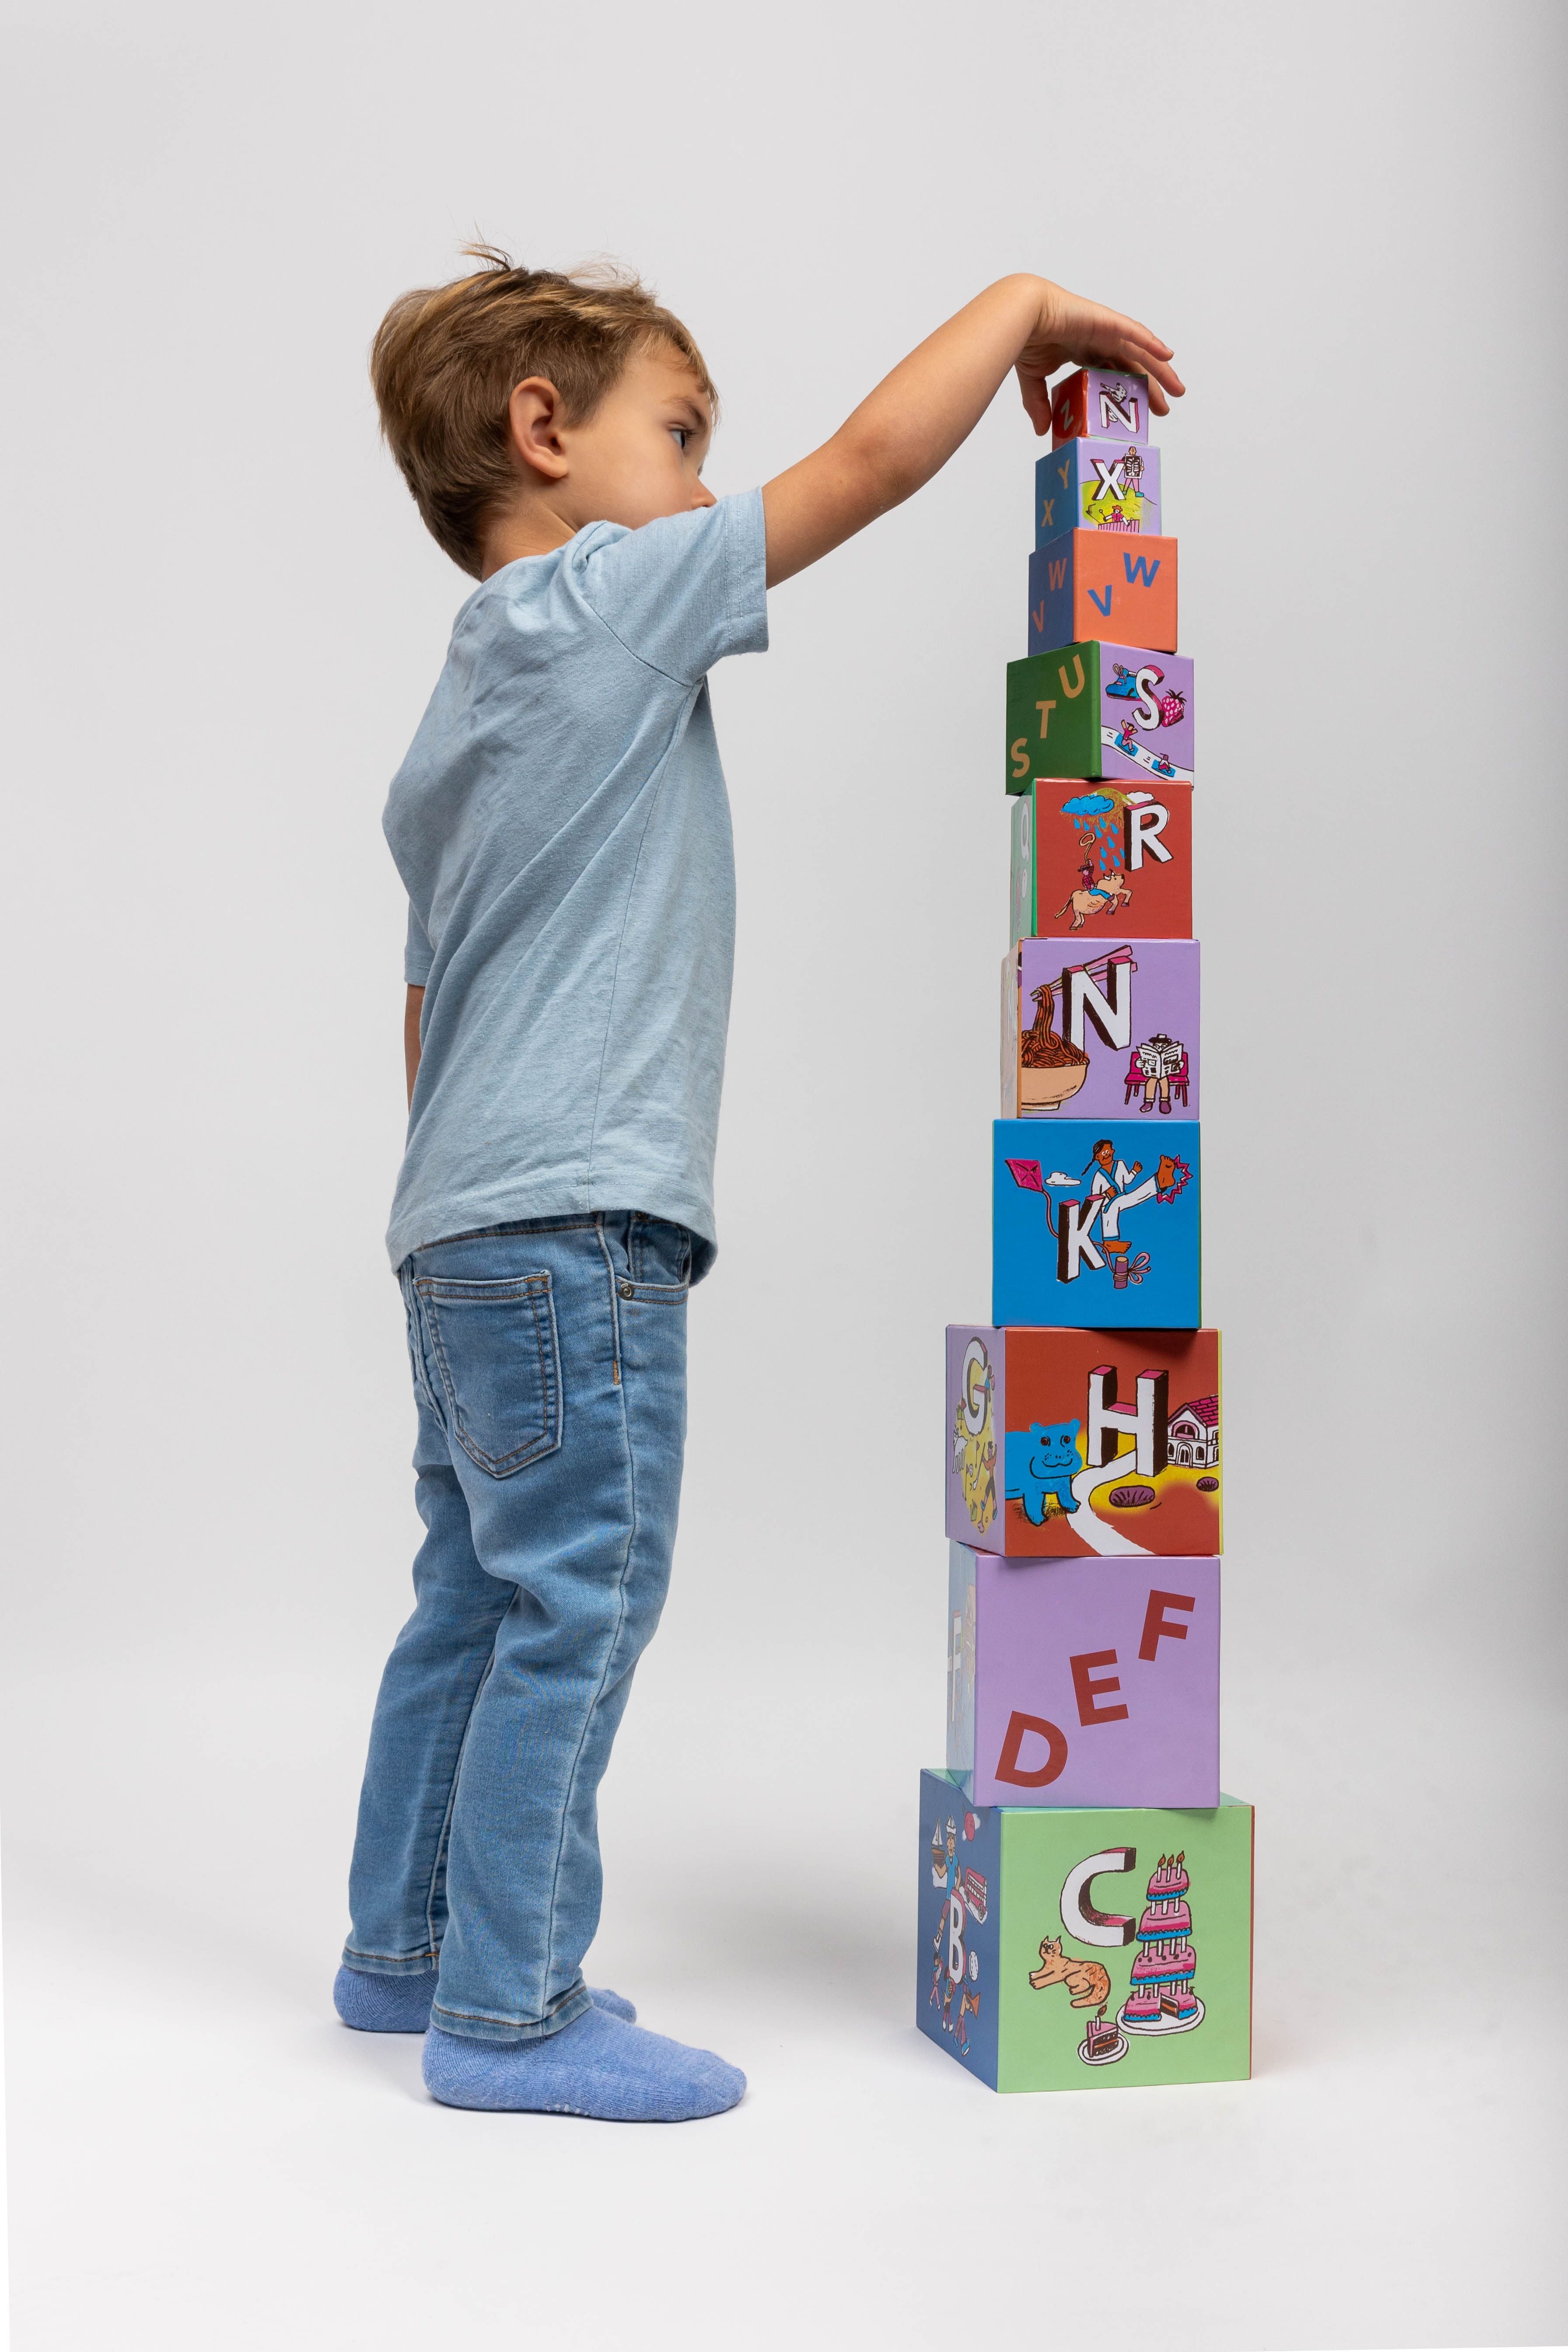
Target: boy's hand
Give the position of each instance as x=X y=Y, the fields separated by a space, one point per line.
x=1071 y=332
x=912 y=422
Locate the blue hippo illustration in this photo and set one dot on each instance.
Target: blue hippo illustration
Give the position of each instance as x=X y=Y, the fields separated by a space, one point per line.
x=1042 y=1461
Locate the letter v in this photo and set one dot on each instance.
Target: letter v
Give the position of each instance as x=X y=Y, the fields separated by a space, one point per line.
x=1094 y=600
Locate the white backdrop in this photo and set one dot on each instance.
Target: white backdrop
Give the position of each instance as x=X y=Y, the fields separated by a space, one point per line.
x=224 y=622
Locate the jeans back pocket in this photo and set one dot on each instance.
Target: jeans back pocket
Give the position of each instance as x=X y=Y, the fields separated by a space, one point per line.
x=496 y=1348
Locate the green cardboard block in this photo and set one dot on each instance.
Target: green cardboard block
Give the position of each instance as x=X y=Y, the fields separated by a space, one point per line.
x=1068 y=1949
x=1095 y=710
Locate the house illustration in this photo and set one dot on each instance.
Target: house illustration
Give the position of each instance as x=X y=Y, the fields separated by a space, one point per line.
x=1193 y=1434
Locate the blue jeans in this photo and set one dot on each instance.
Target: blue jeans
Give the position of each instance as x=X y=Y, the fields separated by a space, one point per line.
x=549 y=1372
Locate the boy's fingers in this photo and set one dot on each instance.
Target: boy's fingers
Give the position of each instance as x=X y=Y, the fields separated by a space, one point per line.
x=1134 y=330
x=1037 y=398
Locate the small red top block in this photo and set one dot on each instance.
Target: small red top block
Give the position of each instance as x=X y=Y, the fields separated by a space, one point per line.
x=1110 y=403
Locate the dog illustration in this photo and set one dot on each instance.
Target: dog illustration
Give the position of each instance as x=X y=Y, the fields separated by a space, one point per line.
x=1086 y=1980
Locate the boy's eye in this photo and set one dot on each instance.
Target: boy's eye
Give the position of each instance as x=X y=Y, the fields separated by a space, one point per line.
x=682 y=433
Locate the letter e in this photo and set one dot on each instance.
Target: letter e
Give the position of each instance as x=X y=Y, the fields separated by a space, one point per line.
x=1090 y=1689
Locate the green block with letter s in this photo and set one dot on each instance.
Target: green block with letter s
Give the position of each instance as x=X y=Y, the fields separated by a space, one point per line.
x=1100 y=710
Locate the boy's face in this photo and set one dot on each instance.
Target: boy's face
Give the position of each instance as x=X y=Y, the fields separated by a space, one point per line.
x=640 y=455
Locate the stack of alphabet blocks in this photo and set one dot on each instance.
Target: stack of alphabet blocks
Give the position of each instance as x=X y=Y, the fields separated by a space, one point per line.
x=1086 y=1906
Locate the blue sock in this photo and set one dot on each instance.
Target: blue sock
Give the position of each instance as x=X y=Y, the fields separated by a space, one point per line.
x=598 y=2065
x=402 y=2004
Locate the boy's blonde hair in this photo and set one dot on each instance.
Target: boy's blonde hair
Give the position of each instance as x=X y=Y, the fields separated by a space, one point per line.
x=445 y=358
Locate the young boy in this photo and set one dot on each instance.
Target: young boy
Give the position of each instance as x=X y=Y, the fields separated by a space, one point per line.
x=562 y=826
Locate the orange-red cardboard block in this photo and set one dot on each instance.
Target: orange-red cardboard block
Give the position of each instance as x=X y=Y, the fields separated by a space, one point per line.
x=1061 y=1444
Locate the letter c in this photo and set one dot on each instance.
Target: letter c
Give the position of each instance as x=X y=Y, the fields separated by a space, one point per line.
x=1080 y=1918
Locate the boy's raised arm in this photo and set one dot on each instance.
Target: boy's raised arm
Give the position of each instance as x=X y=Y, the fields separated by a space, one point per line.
x=907 y=429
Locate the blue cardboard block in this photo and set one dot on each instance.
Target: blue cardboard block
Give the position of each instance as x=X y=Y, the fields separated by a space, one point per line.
x=1096 y=485
x=1095 y=1225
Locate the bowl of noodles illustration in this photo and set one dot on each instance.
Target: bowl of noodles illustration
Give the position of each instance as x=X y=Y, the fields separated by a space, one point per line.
x=1050 y=1069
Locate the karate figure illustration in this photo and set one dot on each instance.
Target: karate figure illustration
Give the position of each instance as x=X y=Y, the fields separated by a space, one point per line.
x=1111 y=1182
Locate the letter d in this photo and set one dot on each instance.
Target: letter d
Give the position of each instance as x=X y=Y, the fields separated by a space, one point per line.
x=1018 y=1730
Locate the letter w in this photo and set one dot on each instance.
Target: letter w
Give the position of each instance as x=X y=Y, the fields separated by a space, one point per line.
x=1058 y=572
x=1140 y=568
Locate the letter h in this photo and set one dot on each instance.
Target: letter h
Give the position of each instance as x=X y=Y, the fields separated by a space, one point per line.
x=1146 y=1422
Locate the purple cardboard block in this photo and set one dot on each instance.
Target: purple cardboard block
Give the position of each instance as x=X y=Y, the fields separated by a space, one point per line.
x=1100 y=1030
x=1109 y=402
x=1083 y=1681
x=1096 y=485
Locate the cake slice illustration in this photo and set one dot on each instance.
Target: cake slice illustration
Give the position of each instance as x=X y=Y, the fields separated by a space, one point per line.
x=1103 y=2042
x=1162 y=1999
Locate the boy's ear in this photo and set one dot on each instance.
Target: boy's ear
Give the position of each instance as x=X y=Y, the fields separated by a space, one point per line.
x=535 y=419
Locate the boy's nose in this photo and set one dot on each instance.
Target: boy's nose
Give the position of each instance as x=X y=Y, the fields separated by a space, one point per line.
x=703 y=496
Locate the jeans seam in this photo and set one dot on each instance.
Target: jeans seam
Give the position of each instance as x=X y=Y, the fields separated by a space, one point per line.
x=610 y=1646
x=568 y=1223
x=362 y=1955
x=442 y=1843
x=535 y=2028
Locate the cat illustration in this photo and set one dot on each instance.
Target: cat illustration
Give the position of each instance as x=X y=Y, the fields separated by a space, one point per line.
x=1086 y=1980
x=1042 y=1462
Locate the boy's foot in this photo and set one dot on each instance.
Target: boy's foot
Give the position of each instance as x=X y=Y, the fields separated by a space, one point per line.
x=402 y=2004
x=598 y=2065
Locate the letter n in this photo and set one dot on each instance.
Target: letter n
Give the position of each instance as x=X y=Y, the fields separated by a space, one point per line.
x=1111 y=1013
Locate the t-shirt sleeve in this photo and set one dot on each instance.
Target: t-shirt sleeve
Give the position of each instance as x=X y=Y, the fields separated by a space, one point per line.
x=418 y=955
x=685 y=590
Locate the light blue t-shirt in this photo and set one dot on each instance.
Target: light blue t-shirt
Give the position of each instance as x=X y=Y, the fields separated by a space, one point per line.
x=563 y=829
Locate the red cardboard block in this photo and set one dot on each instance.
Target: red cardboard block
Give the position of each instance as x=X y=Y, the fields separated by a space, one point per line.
x=1101 y=859
x=1100 y=403
x=1063 y=1442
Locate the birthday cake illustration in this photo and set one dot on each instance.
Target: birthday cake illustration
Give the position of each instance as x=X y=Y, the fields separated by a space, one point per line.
x=1162 y=1999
